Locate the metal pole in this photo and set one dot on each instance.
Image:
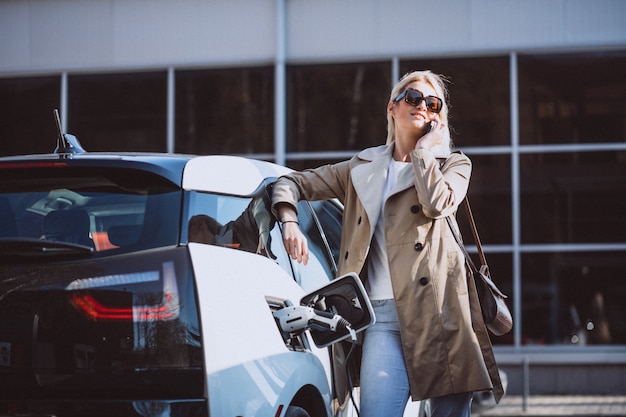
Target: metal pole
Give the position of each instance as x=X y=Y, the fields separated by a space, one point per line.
x=170 y=144
x=515 y=201
x=279 y=85
x=526 y=382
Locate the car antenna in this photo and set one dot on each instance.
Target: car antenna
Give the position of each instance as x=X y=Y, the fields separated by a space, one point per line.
x=66 y=143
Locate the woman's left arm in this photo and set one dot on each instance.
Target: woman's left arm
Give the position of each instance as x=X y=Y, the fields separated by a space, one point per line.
x=440 y=190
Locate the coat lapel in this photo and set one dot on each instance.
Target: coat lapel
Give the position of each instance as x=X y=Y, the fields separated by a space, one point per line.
x=369 y=179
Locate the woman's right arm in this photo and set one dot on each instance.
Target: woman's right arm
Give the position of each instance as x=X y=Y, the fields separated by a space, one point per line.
x=294 y=240
x=323 y=183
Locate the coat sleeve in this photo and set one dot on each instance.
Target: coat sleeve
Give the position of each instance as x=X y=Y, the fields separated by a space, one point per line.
x=440 y=190
x=323 y=183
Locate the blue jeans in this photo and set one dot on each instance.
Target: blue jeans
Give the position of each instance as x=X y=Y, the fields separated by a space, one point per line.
x=384 y=380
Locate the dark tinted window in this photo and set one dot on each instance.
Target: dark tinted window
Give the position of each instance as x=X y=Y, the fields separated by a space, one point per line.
x=26 y=118
x=336 y=107
x=225 y=111
x=330 y=216
x=237 y=222
x=573 y=298
x=320 y=269
x=111 y=209
x=575 y=197
x=118 y=112
x=572 y=98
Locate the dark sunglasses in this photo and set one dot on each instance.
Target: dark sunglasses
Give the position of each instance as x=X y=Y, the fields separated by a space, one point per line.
x=415 y=97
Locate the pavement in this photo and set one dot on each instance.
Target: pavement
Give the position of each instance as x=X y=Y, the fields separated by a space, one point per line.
x=563 y=405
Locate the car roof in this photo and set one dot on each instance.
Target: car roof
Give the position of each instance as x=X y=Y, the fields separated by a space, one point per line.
x=228 y=174
x=222 y=174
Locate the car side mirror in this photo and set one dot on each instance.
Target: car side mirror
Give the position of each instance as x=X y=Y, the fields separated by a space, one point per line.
x=343 y=296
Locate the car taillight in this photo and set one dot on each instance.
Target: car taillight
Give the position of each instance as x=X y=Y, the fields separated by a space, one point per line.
x=95 y=308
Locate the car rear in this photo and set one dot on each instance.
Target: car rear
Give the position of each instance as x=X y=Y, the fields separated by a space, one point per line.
x=98 y=306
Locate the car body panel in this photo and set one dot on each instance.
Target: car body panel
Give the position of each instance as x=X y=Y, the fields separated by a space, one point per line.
x=228 y=174
x=264 y=385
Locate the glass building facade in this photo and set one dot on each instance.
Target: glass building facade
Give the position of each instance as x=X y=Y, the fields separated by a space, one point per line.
x=546 y=134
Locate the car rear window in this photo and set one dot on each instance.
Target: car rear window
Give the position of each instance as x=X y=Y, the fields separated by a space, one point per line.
x=102 y=209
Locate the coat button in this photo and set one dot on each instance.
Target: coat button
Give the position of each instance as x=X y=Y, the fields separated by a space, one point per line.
x=415 y=209
x=423 y=280
x=419 y=247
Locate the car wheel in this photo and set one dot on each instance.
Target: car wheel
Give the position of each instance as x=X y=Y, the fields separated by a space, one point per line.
x=296 y=412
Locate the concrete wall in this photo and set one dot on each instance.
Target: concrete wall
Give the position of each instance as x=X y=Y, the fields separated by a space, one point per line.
x=53 y=35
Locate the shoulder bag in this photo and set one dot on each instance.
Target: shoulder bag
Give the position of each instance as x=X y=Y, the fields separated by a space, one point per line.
x=495 y=312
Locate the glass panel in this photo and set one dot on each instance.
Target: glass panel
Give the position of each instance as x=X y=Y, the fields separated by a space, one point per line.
x=336 y=107
x=330 y=216
x=242 y=223
x=319 y=270
x=225 y=111
x=479 y=97
x=490 y=198
x=119 y=112
x=573 y=98
x=573 y=298
x=70 y=211
x=302 y=164
x=26 y=119
x=573 y=197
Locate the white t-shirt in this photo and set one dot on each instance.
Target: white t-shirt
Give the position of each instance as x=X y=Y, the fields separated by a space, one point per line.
x=379 y=277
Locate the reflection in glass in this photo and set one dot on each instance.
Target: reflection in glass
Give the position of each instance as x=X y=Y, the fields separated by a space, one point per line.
x=336 y=107
x=242 y=223
x=118 y=112
x=573 y=298
x=225 y=111
x=26 y=120
x=572 y=98
x=573 y=197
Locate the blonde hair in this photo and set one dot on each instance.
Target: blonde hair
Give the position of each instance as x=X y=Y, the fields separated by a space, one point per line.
x=438 y=82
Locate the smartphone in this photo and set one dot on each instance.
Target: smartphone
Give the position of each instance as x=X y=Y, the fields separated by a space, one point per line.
x=431 y=126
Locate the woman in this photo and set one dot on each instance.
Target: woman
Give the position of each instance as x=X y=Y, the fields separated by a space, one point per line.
x=395 y=236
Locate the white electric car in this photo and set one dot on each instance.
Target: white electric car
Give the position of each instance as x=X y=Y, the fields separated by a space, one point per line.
x=158 y=285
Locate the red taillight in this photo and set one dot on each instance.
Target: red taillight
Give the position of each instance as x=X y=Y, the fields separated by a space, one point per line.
x=168 y=309
x=97 y=311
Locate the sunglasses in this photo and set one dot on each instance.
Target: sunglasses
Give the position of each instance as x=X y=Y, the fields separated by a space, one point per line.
x=415 y=97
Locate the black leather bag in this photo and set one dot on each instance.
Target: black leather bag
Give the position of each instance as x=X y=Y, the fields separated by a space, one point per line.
x=495 y=312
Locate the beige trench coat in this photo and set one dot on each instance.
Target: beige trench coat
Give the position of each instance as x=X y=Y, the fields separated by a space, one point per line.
x=446 y=346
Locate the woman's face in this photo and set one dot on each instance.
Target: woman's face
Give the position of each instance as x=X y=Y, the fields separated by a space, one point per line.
x=413 y=119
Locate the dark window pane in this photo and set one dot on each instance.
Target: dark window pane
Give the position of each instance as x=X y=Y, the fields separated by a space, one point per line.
x=337 y=107
x=479 y=97
x=119 y=112
x=573 y=197
x=490 y=198
x=225 y=111
x=330 y=216
x=573 y=298
x=26 y=118
x=302 y=164
x=578 y=98
x=319 y=269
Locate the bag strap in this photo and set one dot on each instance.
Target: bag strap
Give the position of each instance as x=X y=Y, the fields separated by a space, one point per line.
x=483 y=260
